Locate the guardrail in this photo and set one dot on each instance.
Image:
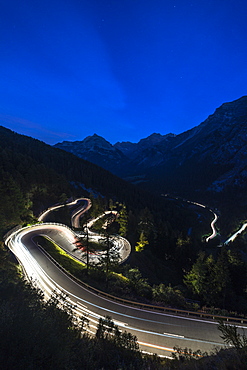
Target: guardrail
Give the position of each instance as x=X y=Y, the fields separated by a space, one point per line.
x=139 y=305
x=16 y=228
x=145 y=306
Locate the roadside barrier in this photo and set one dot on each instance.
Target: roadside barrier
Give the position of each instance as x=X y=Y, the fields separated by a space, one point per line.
x=149 y=307
x=138 y=305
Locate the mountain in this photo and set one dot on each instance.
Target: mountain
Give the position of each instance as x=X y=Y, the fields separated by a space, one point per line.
x=35 y=175
x=115 y=158
x=98 y=151
x=38 y=168
x=206 y=163
x=132 y=150
x=208 y=157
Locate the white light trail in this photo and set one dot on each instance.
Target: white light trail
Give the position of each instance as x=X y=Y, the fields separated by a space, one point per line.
x=233 y=237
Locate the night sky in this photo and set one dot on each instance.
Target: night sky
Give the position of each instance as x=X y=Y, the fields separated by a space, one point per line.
x=120 y=68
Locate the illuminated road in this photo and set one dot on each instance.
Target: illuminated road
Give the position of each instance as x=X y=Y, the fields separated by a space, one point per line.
x=157 y=332
x=233 y=237
x=120 y=246
x=78 y=212
x=214 y=232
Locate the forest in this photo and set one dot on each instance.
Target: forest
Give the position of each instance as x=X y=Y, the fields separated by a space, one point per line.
x=170 y=263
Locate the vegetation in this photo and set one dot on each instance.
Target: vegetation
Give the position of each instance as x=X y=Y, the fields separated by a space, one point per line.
x=27 y=341
x=219 y=280
x=170 y=263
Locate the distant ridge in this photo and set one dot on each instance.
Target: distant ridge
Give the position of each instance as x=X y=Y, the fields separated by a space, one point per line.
x=132 y=150
x=96 y=150
x=207 y=158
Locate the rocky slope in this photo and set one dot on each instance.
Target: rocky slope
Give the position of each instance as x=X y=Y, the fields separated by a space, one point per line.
x=97 y=150
x=133 y=150
x=210 y=157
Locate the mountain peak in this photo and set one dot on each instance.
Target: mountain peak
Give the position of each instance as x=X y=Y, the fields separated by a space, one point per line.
x=90 y=142
x=235 y=108
x=97 y=150
x=133 y=149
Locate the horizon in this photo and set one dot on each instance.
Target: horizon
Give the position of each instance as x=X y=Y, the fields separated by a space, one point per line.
x=119 y=141
x=122 y=70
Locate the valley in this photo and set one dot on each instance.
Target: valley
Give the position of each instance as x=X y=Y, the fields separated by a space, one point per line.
x=182 y=213
x=48 y=276
x=206 y=163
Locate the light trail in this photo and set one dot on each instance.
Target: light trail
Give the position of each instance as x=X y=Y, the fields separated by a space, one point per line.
x=121 y=245
x=233 y=237
x=214 y=232
x=154 y=328
x=44 y=214
x=48 y=286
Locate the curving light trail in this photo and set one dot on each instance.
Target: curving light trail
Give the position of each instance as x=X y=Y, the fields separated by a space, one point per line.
x=121 y=246
x=157 y=332
x=233 y=237
x=214 y=232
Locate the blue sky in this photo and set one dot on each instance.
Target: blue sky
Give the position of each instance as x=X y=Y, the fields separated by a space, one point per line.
x=120 y=68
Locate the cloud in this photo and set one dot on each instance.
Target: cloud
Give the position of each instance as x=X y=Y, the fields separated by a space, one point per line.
x=31 y=128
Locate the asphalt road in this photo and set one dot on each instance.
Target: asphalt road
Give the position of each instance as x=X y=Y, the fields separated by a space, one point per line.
x=156 y=332
x=121 y=246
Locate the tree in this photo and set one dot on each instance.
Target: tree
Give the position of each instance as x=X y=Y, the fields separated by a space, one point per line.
x=123 y=221
x=210 y=278
x=83 y=245
x=146 y=222
x=110 y=256
x=169 y=295
x=139 y=283
x=186 y=354
x=108 y=330
x=198 y=279
x=141 y=243
x=221 y=278
x=231 y=336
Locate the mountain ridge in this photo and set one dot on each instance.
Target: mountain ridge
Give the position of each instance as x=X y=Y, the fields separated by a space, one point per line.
x=217 y=145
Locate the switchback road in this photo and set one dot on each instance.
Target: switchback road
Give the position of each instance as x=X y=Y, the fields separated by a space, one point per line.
x=158 y=329
x=157 y=332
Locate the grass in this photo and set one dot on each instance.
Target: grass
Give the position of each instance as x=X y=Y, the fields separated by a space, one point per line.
x=70 y=264
x=95 y=277
x=117 y=284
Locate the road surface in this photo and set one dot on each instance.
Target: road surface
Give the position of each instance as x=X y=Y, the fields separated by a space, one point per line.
x=120 y=246
x=157 y=332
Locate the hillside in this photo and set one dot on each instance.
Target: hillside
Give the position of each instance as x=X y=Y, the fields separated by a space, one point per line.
x=207 y=163
x=35 y=175
x=208 y=158
x=98 y=151
x=212 y=155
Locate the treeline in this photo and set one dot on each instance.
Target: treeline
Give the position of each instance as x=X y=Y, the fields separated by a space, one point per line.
x=39 y=163
x=39 y=334
x=213 y=277
x=167 y=233
x=166 y=236
x=219 y=280
x=163 y=238
x=34 y=175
